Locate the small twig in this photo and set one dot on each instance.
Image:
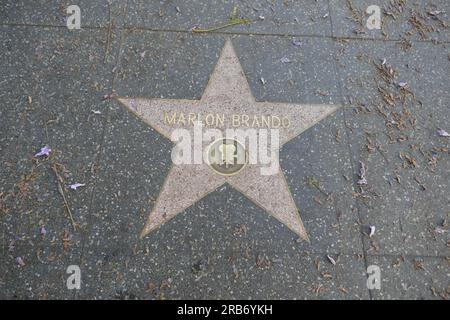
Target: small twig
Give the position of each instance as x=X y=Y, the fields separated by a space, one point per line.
x=234 y=20
x=61 y=192
x=108 y=34
x=316 y=184
x=233 y=23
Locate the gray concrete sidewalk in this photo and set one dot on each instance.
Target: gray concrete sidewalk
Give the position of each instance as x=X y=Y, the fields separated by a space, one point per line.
x=380 y=163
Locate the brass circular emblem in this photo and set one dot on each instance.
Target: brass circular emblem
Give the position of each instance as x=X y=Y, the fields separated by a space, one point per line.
x=226 y=156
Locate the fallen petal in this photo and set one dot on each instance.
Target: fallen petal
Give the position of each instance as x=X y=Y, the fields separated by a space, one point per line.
x=76 y=185
x=435 y=12
x=45 y=151
x=443 y=133
x=372 y=231
x=362 y=182
x=440 y=230
x=333 y=262
x=20 y=261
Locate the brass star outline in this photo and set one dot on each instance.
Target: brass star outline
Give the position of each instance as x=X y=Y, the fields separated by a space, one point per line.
x=227 y=89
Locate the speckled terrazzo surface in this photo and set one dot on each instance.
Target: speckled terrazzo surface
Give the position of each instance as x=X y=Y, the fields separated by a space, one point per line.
x=380 y=162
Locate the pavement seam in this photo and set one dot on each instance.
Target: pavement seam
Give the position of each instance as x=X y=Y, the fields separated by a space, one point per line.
x=105 y=129
x=238 y=33
x=398 y=255
x=352 y=162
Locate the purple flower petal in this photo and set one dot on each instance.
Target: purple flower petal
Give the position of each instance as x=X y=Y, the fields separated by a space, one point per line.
x=443 y=133
x=297 y=43
x=76 y=185
x=193 y=28
x=372 y=231
x=20 y=261
x=45 y=151
x=362 y=182
x=435 y=12
x=440 y=230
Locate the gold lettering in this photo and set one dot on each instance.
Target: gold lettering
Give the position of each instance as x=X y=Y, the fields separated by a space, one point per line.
x=209 y=119
x=245 y=119
x=220 y=120
x=286 y=122
x=255 y=122
x=192 y=117
x=168 y=120
x=236 y=120
x=278 y=122
x=181 y=119
x=265 y=121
